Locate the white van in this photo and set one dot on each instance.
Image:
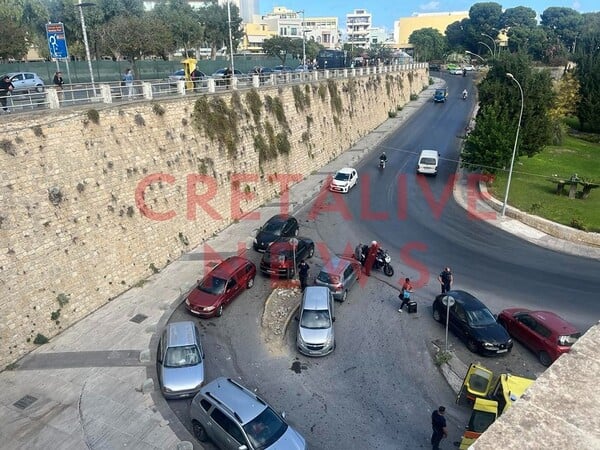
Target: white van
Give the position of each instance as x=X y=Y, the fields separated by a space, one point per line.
x=428 y=162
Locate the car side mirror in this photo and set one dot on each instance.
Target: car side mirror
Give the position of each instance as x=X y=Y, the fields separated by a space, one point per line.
x=333 y=320
x=283 y=414
x=242 y=447
x=296 y=318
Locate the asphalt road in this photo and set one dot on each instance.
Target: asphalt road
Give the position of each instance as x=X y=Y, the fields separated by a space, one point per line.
x=378 y=388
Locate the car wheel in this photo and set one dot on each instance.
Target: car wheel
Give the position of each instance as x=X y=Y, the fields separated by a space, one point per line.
x=436 y=315
x=344 y=296
x=545 y=359
x=220 y=311
x=311 y=252
x=472 y=345
x=250 y=283
x=199 y=432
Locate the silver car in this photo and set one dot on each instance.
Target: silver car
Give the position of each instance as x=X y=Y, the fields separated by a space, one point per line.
x=180 y=360
x=315 y=328
x=25 y=82
x=235 y=418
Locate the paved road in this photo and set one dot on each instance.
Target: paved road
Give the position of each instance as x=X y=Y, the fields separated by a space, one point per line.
x=377 y=388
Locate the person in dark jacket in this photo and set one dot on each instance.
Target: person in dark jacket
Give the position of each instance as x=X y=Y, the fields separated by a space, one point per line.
x=6 y=87
x=58 y=84
x=438 y=425
x=303 y=269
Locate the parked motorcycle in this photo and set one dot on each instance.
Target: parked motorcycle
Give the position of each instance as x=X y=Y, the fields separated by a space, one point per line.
x=382 y=259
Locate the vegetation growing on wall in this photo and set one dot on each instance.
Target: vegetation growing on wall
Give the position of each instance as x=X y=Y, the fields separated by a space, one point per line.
x=255 y=105
x=322 y=90
x=334 y=94
x=218 y=121
x=8 y=147
x=274 y=106
x=301 y=100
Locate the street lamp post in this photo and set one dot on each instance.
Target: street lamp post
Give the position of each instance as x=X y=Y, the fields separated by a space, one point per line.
x=487 y=46
x=512 y=160
x=474 y=54
x=493 y=41
x=81 y=5
x=303 y=41
x=230 y=37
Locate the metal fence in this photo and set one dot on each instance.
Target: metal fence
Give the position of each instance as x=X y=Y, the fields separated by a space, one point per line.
x=115 y=92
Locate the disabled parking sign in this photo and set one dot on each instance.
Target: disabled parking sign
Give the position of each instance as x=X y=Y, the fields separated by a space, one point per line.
x=57 y=43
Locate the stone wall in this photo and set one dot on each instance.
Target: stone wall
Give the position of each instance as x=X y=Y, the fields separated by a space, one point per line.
x=94 y=201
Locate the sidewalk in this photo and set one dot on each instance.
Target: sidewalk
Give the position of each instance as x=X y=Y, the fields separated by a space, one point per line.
x=90 y=388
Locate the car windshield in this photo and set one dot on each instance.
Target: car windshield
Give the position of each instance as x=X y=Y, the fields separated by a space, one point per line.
x=213 y=285
x=265 y=429
x=480 y=317
x=273 y=228
x=341 y=176
x=315 y=319
x=430 y=161
x=328 y=278
x=183 y=356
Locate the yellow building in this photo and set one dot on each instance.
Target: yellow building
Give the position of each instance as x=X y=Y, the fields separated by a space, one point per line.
x=405 y=26
x=254 y=36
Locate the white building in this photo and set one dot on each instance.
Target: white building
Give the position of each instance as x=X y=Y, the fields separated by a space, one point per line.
x=358 y=25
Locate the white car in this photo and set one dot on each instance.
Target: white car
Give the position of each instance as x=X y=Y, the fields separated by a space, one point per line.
x=469 y=68
x=344 y=180
x=458 y=71
x=25 y=82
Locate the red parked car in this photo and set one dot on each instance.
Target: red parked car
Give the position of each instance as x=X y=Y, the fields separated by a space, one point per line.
x=543 y=332
x=220 y=286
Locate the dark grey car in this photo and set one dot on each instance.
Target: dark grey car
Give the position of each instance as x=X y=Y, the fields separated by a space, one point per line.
x=339 y=274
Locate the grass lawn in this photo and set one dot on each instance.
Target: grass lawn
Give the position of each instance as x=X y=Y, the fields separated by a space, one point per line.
x=530 y=190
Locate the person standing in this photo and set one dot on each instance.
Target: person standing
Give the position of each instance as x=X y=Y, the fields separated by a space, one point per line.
x=303 y=269
x=446 y=279
x=58 y=85
x=196 y=75
x=6 y=87
x=438 y=425
x=405 y=293
x=370 y=259
x=128 y=81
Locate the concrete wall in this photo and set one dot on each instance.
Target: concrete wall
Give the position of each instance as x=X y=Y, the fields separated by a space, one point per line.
x=72 y=233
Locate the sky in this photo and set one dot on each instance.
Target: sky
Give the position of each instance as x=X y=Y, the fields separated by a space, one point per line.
x=385 y=12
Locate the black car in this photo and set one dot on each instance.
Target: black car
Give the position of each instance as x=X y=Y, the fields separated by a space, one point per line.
x=472 y=322
x=280 y=225
x=282 y=258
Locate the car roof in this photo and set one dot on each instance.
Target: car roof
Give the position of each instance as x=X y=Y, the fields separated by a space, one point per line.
x=279 y=218
x=346 y=170
x=553 y=321
x=315 y=297
x=336 y=265
x=237 y=399
x=180 y=333
x=227 y=267
x=429 y=153
x=468 y=301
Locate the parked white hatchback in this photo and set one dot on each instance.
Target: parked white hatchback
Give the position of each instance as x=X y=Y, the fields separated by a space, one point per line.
x=25 y=82
x=344 y=180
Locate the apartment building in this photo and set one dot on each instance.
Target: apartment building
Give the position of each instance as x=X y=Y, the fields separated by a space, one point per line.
x=358 y=25
x=405 y=26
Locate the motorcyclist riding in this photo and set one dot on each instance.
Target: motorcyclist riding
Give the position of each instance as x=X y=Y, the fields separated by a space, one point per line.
x=464 y=94
x=382 y=160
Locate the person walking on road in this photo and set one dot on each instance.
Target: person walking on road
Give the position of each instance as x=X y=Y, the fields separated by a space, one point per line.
x=58 y=85
x=446 y=279
x=303 y=269
x=438 y=425
x=405 y=293
x=6 y=87
x=128 y=82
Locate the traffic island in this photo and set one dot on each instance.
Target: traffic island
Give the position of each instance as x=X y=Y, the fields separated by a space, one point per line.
x=452 y=368
x=280 y=307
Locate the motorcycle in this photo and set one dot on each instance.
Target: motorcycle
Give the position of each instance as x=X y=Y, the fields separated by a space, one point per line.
x=382 y=259
x=382 y=164
x=464 y=96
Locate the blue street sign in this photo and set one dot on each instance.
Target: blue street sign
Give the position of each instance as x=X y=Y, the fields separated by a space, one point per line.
x=57 y=42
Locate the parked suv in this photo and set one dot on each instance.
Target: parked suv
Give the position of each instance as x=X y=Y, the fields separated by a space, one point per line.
x=339 y=274
x=235 y=418
x=180 y=360
x=543 y=332
x=315 y=328
x=281 y=257
x=221 y=286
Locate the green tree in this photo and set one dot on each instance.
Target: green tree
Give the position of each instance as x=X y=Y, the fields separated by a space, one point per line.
x=520 y=16
x=428 y=43
x=13 y=42
x=564 y=23
x=280 y=46
x=135 y=37
x=500 y=101
x=114 y=8
x=587 y=73
x=215 y=20
x=183 y=22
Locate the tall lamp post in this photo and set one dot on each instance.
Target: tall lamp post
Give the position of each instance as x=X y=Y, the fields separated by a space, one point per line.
x=81 y=5
x=512 y=160
x=493 y=41
x=230 y=36
x=487 y=46
x=474 y=54
x=303 y=41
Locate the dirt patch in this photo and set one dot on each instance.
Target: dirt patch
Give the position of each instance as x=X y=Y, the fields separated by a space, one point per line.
x=280 y=307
